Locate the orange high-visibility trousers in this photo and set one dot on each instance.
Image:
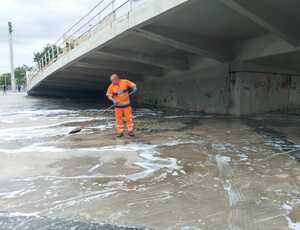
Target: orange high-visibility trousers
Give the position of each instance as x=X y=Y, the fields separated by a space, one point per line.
x=127 y=112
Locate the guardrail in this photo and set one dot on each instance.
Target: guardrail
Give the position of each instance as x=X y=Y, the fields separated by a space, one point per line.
x=76 y=34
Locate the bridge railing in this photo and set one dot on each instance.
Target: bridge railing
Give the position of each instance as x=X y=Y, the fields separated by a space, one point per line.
x=102 y=12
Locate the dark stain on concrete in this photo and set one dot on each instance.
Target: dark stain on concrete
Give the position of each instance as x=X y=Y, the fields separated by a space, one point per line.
x=273 y=137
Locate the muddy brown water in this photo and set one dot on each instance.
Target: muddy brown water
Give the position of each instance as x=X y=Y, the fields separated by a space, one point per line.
x=182 y=170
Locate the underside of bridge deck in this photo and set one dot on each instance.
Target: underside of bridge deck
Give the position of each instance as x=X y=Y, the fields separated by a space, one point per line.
x=221 y=56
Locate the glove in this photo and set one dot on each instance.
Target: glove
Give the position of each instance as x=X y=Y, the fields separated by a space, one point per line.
x=134 y=90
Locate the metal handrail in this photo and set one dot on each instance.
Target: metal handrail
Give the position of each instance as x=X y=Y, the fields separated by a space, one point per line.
x=64 y=44
x=99 y=13
x=107 y=16
x=81 y=19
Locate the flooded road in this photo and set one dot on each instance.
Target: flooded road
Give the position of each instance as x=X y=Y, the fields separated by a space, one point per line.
x=182 y=171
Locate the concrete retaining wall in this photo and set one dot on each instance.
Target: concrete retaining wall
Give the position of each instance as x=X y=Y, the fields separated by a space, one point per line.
x=218 y=89
x=264 y=92
x=202 y=90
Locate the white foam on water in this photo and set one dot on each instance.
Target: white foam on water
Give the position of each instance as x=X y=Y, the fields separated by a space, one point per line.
x=42 y=148
x=9 y=195
x=15 y=194
x=69 y=116
x=19 y=214
x=152 y=163
x=149 y=160
x=190 y=228
x=36 y=115
x=77 y=200
x=77 y=120
x=234 y=195
x=38 y=112
x=146 y=112
x=105 y=126
x=8 y=121
x=29 y=133
x=292 y=225
x=182 y=116
x=34 y=148
x=55 y=129
x=243 y=157
x=221 y=147
x=223 y=165
x=94 y=168
x=181 y=142
x=81 y=177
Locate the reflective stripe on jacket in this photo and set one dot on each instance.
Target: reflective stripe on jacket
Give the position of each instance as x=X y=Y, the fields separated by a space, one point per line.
x=120 y=92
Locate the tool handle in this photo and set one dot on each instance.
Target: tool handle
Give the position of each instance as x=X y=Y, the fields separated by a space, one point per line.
x=94 y=119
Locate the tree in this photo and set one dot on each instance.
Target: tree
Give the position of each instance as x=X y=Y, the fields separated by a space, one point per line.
x=20 y=76
x=38 y=56
x=5 y=79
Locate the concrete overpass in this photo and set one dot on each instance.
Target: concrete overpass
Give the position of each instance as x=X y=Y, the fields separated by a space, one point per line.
x=216 y=56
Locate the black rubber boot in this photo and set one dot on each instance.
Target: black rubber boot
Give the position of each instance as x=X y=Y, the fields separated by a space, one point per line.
x=131 y=134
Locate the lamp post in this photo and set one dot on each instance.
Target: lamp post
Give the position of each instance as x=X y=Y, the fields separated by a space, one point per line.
x=12 y=68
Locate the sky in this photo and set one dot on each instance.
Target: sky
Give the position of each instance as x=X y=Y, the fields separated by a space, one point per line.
x=36 y=23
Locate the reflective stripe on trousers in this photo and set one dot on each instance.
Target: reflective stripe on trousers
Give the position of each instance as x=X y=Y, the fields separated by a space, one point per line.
x=119 y=113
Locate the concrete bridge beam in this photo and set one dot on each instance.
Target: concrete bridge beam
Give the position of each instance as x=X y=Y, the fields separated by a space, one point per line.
x=77 y=78
x=105 y=74
x=149 y=59
x=117 y=66
x=72 y=86
x=256 y=48
x=203 y=46
x=267 y=17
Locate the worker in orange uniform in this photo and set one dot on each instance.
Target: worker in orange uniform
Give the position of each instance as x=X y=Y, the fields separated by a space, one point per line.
x=118 y=93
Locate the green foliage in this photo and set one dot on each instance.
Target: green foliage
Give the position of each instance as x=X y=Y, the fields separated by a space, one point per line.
x=5 y=78
x=20 y=76
x=38 y=56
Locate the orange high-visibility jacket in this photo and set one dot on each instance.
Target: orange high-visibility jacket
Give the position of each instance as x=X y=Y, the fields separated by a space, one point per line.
x=120 y=92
